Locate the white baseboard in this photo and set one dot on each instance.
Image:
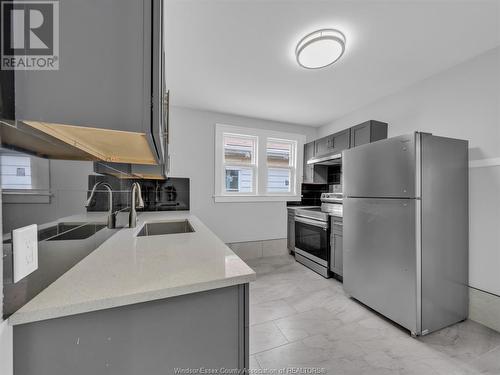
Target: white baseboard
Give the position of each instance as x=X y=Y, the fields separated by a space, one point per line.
x=6 y=349
x=259 y=249
x=482 y=163
x=484 y=308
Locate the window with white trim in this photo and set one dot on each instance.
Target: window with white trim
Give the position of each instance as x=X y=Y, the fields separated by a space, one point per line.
x=24 y=178
x=240 y=163
x=257 y=164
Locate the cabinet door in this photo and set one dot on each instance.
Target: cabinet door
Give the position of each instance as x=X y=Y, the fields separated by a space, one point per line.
x=323 y=145
x=291 y=232
x=308 y=176
x=367 y=132
x=332 y=144
x=336 y=246
x=104 y=76
x=340 y=142
x=337 y=252
x=360 y=134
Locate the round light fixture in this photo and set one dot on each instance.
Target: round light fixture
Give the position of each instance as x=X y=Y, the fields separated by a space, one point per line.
x=320 y=48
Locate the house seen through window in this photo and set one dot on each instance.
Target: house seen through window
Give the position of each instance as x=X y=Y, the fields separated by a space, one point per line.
x=25 y=176
x=16 y=172
x=254 y=162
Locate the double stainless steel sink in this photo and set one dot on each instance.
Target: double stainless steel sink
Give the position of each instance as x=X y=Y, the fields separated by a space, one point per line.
x=66 y=231
x=60 y=247
x=166 y=227
x=76 y=231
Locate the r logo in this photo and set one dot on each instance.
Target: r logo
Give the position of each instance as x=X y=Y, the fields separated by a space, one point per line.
x=30 y=35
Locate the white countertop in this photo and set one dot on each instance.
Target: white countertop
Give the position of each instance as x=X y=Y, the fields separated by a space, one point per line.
x=127 y=269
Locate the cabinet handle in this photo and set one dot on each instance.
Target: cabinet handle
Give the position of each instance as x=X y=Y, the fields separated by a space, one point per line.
x=333 y=247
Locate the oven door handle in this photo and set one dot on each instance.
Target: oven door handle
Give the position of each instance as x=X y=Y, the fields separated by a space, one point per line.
x=315 y=223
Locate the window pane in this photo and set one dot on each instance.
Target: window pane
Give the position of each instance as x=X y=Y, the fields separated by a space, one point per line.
x=239 y=149
x=278 y=180
x=239 y=180
x=16 y=172
x=279 y=153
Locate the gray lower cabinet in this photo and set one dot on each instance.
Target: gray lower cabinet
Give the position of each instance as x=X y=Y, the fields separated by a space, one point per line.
x=291 y=231
x=200 y=330
x=336 y=246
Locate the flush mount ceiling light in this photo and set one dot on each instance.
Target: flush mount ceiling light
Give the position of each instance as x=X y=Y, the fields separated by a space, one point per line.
x=320 y=48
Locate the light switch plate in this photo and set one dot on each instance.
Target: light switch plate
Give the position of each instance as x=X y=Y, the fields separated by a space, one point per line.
x=25 y=251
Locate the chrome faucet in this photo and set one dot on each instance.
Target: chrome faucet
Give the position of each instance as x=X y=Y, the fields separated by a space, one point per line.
x=135 y=202
x=111 y=215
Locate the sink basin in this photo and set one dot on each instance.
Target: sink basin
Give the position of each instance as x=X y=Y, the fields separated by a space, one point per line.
x=53 y=231
x=168 y=227
x=77 y=232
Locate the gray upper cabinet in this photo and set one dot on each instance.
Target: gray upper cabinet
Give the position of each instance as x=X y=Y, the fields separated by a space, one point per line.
x=308 y=169
x=332 y=144
x=104 y=76
x=111 y=75
x=367 y=132
x=313 y=174
x=322 y=145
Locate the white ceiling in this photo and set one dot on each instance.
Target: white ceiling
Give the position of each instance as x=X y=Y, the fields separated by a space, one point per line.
x=238 y=56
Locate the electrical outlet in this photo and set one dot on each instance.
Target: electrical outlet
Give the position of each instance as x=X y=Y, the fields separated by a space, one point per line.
x=25 y=251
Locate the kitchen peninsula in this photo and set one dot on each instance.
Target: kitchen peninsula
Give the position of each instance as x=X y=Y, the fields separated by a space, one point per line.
x=140 y=304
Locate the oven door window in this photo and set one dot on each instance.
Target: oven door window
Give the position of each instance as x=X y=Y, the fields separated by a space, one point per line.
x=312 y=239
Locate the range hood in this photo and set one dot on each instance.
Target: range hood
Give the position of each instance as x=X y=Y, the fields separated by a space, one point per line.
x=333 y=159
x=69 y=142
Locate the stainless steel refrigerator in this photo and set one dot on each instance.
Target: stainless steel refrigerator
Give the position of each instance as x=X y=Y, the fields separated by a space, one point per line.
x=406 y=229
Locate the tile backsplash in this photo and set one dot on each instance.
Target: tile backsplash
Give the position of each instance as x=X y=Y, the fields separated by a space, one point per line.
x=171 y=194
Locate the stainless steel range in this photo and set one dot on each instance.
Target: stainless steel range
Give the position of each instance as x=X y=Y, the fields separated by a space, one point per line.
x=313 y=229
x=332 y=203
x=312 y=239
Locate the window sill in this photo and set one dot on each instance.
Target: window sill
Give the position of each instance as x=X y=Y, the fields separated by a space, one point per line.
x=255 y=198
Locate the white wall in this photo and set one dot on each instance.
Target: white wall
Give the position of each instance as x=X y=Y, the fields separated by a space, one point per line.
x=462 y=102
x=68 y=183
x=192 y=155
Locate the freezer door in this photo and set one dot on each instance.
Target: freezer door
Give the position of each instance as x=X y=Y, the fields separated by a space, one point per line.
x=382 y=169
x=380 y=256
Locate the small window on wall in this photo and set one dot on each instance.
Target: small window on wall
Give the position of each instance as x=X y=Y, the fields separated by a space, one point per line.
x=16 y=172
x=257 y=165
x=239 y=163
x=24 y=178
x=280 y=165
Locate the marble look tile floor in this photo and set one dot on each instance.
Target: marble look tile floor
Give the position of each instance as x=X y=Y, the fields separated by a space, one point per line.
x=299 y=319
